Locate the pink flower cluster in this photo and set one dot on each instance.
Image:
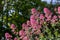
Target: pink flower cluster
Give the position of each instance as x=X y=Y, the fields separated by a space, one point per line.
x=33 y=26
x=8 y=36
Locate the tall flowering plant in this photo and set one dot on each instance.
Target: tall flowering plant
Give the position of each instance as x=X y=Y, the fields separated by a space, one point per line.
x=41 y=26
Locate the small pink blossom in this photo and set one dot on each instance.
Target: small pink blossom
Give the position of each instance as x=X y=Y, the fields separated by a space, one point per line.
x=59 y=10
x=13 y=26
x=46 y=11
x=7 y=35
x=52 y=21
x=48 y=18
x=25 y=38
x=15 y=38
x=28 y=23
x=55 y=9
x=22 y=33
x=59 y=16
x=23 y=25
x=33 y=22
x=32 y=17
x=21 y=37
x=36 y=16
x=34 y=27
x=33 y=10
x=54 y=17
x=41 y=16
x=39 y=26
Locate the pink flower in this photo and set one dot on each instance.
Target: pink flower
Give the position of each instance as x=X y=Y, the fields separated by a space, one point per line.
x=58 y=10
x=34 y=27
x=23 y=26
x=28 y=23
x=32 y=17
x=46 y=15
x=13 y=30
x=15 y=38
x=7 y=35
x=55 y=9
x=59 y=16
x=32 y=20
x=39 y=26
x=37 y=16
x=52 y=21
x=46 y=11
x=25 y=38
x=22 y=33
x=21 y=37
x=54 y=17
x=33 y=10
x=48 y=18
x=41 y=16
x=13 y=26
